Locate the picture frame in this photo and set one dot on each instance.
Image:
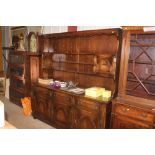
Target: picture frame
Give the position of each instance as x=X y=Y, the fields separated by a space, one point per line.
x=19 y=38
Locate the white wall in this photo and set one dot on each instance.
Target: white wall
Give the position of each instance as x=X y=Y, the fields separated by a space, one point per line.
x=53 y=29
x=81 y=28
x=34 y=29
x=59 y=29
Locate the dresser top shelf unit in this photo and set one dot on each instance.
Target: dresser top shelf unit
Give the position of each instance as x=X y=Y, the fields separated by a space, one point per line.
x=89 y=58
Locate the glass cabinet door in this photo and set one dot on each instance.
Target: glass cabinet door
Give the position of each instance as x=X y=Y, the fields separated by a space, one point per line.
x=141 y=66
x=19 y=59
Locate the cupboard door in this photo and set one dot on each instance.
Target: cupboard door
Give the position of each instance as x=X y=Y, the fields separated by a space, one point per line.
x=121 y=122
x=61 y=105
x=44 y=108
x=61 y=116
x=43 y=105
x=88 y=119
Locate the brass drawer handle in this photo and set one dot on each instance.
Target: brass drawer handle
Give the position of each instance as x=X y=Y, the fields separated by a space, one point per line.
x=125 y=109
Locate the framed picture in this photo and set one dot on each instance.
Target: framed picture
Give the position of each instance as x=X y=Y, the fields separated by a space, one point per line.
x=32 y=42
x=19 y=38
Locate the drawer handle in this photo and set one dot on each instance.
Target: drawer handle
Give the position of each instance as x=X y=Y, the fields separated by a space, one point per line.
x=125 y=110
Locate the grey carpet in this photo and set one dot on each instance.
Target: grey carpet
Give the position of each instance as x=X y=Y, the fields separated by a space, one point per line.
x=15 y=116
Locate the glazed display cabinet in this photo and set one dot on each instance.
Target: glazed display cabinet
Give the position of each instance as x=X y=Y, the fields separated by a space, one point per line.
x=135 y=105
x=17 y=76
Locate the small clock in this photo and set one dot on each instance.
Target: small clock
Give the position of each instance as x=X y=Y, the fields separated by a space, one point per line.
x=32 y=42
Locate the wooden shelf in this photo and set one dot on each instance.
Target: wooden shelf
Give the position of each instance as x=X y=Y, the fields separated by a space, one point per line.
x=47 y=68
x=54 y=69
x=17 y=77
x=84 y=53
x=17 y=53
x=19 y=90
x=12 y=65
x=33 y=53
x=71 y=62
x=106 y=75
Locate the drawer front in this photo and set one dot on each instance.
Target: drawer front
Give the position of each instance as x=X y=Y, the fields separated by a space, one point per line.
x=41 y=91
x=44 y=93
x=88 y=104
x=134 y=113
x=62 y=98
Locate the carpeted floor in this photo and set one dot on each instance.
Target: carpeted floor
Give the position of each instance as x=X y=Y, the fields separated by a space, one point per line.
x=15 y=116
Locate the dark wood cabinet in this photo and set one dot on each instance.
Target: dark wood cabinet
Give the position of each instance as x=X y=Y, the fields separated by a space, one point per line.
x=23 y=73
x=128 y=116
x=134 y=107
x=88 y=59
x=67 y=110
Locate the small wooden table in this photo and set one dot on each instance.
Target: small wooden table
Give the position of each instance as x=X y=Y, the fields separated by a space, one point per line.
x=8 y=126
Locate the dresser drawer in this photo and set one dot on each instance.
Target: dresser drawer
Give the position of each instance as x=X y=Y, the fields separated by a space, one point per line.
x=43 y=92
x=62 y=98
x=134 y=113
x=88 y=104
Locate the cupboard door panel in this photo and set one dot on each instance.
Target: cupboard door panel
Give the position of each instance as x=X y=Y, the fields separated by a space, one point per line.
x=88 y=119
x=86 y=123
x=43 y=104
x=61 y=116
